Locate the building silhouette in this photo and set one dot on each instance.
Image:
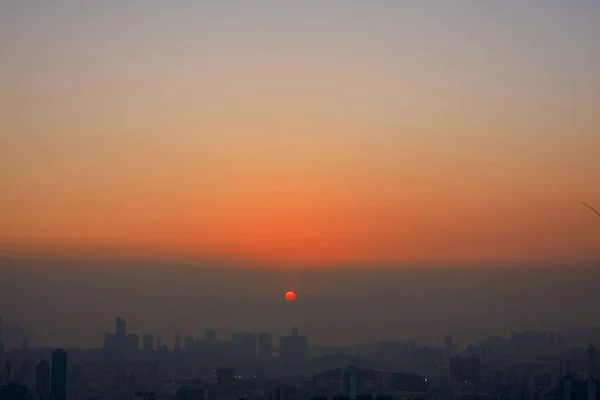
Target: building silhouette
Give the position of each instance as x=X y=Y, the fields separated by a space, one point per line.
x=132 y=343
x=120 y=327
x=58 y=386
x=293 y=348
x=177 y=343
x=42 y=380
x=148 y=343
x=265 y=345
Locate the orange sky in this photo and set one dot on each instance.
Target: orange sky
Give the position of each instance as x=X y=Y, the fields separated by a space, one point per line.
x=284 y=144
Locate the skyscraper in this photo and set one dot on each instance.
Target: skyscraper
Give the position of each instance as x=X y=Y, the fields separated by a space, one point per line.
x=132 y=343
x=121 y=328
x=58 y=388
x=120 y=336
x=294 y=347
x=265 y=345
x=177 y=342
x=148 y=343
x=42 y=380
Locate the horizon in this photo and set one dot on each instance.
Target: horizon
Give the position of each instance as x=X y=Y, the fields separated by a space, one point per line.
x=412 y=303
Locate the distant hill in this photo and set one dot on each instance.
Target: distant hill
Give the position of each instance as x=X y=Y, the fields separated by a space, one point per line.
x=13 y=335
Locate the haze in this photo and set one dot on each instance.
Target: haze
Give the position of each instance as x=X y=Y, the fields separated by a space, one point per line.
x=149 y=148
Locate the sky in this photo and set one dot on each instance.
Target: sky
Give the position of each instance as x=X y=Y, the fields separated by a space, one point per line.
x=312 y=134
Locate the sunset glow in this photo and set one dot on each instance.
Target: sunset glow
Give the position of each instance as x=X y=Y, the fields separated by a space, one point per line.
x=250 y=140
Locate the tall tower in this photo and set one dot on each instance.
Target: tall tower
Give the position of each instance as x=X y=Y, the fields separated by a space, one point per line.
x=58 y=388
x=42 y=380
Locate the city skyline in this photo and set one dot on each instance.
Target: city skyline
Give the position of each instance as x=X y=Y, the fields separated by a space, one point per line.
x=303 y=200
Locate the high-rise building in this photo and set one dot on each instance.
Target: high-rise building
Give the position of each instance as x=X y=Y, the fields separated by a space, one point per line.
x=27 y=375
x=58 y=387
x=177 y=342
x=120 y=337
x=188 y=343
x=110 y=342
x=148 y=343
x=132 y=343
x=121 y=327
x=265 y=345
x=42 y=380
x=294 y=347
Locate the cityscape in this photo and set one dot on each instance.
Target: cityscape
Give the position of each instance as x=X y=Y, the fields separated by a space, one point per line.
x=256 y=366
x=299 y=200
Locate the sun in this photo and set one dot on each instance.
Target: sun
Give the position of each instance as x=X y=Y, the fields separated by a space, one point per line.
x=290 y=296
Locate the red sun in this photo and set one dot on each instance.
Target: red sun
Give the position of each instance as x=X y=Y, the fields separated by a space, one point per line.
x=290 y=296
